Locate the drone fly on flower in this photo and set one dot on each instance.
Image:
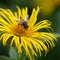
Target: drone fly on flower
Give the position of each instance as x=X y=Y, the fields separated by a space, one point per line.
x=23 y=22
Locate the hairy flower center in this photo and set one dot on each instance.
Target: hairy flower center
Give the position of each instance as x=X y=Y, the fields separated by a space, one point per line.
x=19 y=30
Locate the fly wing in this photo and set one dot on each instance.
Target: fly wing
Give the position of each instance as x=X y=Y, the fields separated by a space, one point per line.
x=26 y=18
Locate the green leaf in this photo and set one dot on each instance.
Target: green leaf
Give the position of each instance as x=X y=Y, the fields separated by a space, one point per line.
x=13 y=53
x=5 y=58
x=57 y=34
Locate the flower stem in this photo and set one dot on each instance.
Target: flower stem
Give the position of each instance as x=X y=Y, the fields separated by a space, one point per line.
x=21 y=57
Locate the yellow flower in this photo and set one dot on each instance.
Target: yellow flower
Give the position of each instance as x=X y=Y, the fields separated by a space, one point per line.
x=24 y=31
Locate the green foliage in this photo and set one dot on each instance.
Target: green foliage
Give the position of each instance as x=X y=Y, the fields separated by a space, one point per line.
x=5 y=58
x=13 y=54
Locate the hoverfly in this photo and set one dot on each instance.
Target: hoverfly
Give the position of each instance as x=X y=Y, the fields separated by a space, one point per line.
x=23 y=22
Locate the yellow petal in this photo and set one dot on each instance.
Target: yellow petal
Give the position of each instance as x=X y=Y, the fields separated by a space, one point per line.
x=43 y=45
x=11 y=13
x=5 y=17
x=24 y=13
x=12 y=40
x=4 y=22
x=15 y=13
x=25 y=46
x=19 y=12
x=11 y=18
x=28 y=42
x=17 y=43
x=33 y=17
x=5 y=29
x=36 y=45
x=45 y=36
x=41 y=25
x=5 y=38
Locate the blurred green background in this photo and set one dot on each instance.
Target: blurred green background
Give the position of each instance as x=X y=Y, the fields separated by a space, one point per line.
x=50 y=10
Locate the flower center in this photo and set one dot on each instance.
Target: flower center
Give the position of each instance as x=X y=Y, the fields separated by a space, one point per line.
x=21 y=30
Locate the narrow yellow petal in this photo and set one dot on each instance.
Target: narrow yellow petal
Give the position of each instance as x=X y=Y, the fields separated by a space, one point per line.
x=8 y=15
x=4 y=22
x=5 y=17
x=20 y=47
x=12 y=40
x=11 y=13
x=36 y=45
x=24 y=13
x=17 y=43
x=30 y=46
x=2 y=35
x=45 y=36
x=5 y=29
x=45 y=41
x=33 y=17
x=43 y=45
x=25 y=46
x=5 y=38
x=51 y=35
x=19 y=12
x=41 y=25
x=15 y=13
x=48 y=41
